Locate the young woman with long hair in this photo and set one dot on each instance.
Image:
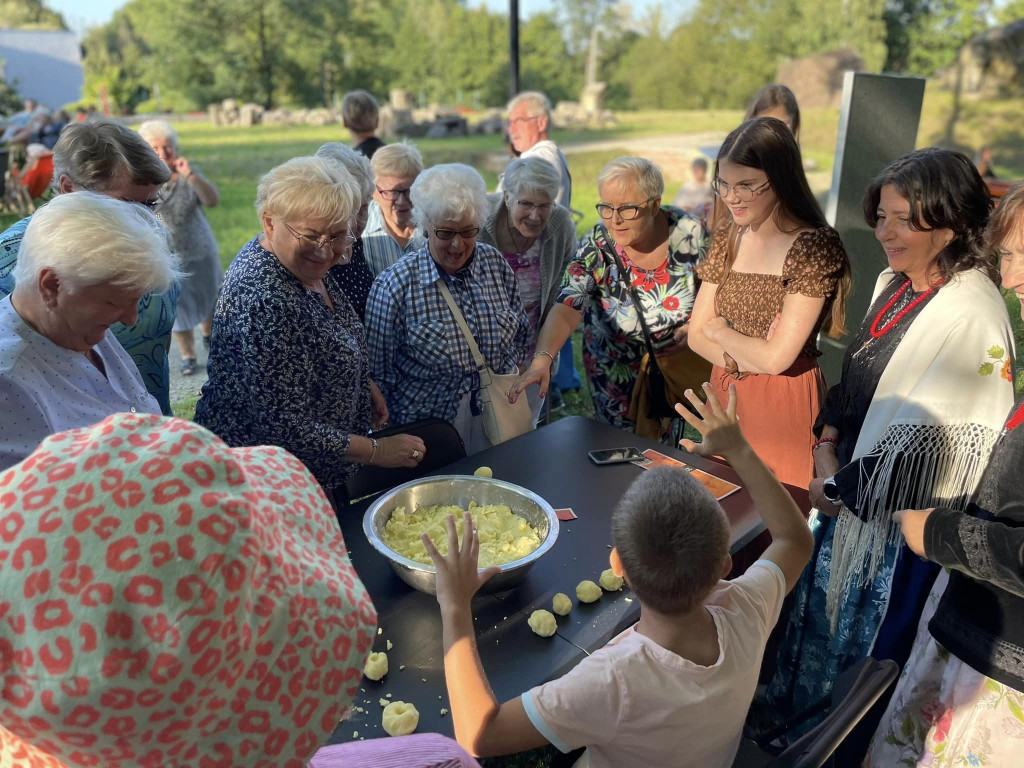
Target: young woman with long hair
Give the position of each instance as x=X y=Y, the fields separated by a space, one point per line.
x=775 y=276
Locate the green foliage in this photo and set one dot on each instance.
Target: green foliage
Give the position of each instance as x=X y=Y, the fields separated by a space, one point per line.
x=29 y=14
x=10 y=101
x=925 y=35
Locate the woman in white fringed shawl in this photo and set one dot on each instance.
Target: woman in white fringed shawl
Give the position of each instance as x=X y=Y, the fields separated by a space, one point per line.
x=925 y=387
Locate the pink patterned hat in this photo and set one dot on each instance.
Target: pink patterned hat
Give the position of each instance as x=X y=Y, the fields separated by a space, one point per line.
x=168 y=601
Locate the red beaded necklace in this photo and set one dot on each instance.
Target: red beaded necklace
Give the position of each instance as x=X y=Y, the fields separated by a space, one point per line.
x=876 y=332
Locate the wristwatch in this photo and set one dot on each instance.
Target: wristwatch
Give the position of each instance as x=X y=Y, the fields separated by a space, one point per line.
x=830 y=490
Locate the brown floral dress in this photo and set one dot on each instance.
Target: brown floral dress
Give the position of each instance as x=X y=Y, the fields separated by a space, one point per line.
x=778 y=412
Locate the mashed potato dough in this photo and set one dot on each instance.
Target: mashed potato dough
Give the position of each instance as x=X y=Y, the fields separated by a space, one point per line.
x=587 y=591
x=561 y=604
x=609 y=581
x=543 y=623
x=483 y=472
x=376 y=666
x=400 y=718
x=504 y=536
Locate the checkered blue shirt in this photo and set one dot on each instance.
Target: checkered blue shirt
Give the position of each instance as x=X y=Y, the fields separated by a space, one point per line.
x=379 y=247
x=418 y=356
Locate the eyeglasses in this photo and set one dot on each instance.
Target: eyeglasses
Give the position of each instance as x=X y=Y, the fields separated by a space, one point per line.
x=393 y=195
x=744 y=192
x=343 y=240
x=627 y=212
x=521 y=120
x=449 y=234
x=528 y=207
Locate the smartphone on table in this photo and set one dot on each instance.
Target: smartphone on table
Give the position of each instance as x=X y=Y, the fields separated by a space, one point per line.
x=616 y=455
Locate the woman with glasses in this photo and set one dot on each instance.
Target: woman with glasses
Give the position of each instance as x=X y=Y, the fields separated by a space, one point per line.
x=537 y=238
x=776 y=275
x=289 y=364
x=180 y=206
x=659 y=247
x=419 y=355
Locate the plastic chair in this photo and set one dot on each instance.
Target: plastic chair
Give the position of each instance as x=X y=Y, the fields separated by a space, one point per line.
x=855 y=692
x=444 y=445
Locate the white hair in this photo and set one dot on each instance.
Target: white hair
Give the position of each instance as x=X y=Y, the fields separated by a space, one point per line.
x=160 y=130
x=87 y=238
x=399 y=159
x=634 y=170
x=531 y=174
x=313 y=187
x=448 y=191
x=538 y=102
x=356 y=163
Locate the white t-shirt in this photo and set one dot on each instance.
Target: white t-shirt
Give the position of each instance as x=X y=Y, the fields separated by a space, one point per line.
x=635 y=703
x=547 y=150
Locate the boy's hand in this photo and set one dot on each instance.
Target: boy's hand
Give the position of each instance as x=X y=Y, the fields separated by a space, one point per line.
x=719 y=429
x=457 y=576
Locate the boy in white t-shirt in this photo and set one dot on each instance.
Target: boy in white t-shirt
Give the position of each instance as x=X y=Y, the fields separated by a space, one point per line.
x=674 y=689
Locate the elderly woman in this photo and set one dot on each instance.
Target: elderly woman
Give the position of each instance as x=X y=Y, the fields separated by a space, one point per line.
x=390 y=230
x=203 y=608
x=289 y=365
x=659 y=246
x=84 y=263
x=537 y=238
x=962 y=691
x=418 y=353
x=180 y=205
x=911 y=423
x=351 y=270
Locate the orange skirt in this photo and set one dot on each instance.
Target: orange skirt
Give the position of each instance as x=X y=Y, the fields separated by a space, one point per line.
x=777 y=415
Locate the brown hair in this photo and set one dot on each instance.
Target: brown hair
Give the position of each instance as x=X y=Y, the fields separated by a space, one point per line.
x=772 y=96
x=1006 y=221
x=95 y=155
x=945 y=191
x=768 y=145
x=359 y=111
x=672 y=538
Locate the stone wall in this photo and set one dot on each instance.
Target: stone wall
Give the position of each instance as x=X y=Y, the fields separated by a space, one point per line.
x=990 y=65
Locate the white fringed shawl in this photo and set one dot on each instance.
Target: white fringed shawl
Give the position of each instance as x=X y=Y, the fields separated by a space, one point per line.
x=940 y=403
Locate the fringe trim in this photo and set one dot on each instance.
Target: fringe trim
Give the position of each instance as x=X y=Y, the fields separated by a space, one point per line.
x=918 y=467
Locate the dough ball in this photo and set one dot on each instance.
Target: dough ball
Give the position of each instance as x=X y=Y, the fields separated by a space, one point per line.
x=376 y=666
x=543 y=623
x=561 y=604
x=587 y=591
x=400 y=718
x=483 y=472
x=609 y=581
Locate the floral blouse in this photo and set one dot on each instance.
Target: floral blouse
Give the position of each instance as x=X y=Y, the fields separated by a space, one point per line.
x=613 y=340
x=285 y=369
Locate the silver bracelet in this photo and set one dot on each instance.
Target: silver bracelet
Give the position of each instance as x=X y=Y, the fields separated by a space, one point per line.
x=373 y=452
x=549 y=355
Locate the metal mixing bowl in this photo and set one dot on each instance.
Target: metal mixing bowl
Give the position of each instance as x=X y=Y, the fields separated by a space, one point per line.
x=460 y=490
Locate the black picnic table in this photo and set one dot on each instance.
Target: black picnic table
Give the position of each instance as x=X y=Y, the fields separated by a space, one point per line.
x=551 y=461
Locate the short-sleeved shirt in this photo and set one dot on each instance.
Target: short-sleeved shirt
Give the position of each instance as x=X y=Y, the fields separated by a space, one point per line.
x=751 y=301
x=636 y=703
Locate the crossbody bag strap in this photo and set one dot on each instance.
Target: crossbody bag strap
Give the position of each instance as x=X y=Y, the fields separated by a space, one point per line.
x=460 y=321
x=633 y=295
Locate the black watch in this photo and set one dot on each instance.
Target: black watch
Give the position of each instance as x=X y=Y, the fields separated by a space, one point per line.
x=830 y=490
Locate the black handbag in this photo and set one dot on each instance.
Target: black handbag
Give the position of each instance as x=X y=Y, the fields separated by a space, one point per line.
x=658 y=405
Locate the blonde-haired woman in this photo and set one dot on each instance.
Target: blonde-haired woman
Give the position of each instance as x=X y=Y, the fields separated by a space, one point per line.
x=289 y=364
x=180 y=206
x=85 y=262
x=659 y=247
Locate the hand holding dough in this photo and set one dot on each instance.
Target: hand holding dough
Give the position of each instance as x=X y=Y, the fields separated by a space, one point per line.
x=609 y=581
x=587 y=591
x=376 y=666
x=543 y=623
x=483 y=472
x=561 y=604
x=400 y=718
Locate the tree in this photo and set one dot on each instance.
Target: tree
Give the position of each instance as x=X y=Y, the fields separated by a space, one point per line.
x=924 y=36
x=29 y=14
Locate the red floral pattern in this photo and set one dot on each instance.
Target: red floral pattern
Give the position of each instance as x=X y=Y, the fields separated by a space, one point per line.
x=167 y=601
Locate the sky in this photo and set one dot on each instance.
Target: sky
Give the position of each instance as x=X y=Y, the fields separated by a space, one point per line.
x=82 y=14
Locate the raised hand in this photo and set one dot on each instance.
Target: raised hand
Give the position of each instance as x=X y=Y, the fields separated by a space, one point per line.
x=719 y=429
x=458 y=577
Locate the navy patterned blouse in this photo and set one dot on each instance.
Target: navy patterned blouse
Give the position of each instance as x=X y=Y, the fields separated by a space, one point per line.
x=284 y=368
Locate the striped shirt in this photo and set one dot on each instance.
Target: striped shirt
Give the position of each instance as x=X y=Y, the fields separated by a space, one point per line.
x=379 y=245
x=418 y=356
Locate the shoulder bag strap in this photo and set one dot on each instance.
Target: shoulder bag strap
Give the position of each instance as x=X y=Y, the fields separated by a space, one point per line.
x=608 y=250
x=478 y=358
